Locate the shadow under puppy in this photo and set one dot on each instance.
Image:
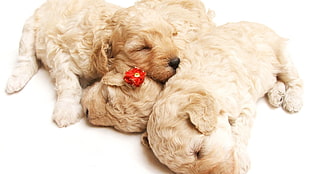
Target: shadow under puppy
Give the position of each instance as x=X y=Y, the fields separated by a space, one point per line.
x=202 y=119
x=152 y=36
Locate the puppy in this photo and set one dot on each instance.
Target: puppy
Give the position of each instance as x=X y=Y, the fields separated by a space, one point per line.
x=113 y=102
x=202 y=119
x=151 y=35
x=70 y=38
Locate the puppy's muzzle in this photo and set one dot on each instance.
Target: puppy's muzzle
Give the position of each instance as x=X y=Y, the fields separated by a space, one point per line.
x=174 y=62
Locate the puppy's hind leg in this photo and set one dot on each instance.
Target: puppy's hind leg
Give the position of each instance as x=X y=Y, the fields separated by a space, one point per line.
x=27 y=64
x=68 y=109
x=292 y=101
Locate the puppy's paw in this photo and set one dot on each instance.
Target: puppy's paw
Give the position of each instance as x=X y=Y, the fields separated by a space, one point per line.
x=276 y=94
x=24 y=70
x=67 y=113
x=292 y=101
x=16 y=83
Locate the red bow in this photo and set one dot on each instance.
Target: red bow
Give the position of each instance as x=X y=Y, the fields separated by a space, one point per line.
x=134 y=77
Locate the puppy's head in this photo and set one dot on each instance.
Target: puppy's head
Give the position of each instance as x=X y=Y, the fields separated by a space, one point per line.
x=94 y=101
x=189 y=134
x=144 y=39
x=112 y=102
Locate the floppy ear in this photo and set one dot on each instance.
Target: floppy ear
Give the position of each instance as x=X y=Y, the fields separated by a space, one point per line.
x=100 y=58
x=113 y=78
x=202 y=112
x=101 y=51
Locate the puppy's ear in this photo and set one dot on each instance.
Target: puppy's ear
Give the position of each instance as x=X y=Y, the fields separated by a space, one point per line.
x=113 y=78
x=202 y=112
x=101 y=51
x=100 y=59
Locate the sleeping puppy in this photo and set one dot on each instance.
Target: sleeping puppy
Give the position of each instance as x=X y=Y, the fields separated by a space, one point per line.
x=201 y=121
x=71 y=39
x=152 y=36
x=115 y=102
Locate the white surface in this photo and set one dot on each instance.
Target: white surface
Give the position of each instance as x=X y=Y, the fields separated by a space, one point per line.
x=31 y=143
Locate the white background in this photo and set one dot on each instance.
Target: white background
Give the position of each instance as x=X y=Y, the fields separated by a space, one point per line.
x=31 y=143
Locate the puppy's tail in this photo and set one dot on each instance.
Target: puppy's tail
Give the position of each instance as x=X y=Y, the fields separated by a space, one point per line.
x=27 y=64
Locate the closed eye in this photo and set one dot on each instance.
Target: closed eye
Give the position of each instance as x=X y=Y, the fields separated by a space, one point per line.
x=144 y=48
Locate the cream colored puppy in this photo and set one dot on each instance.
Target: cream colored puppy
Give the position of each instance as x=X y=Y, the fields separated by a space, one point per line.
x=151 y=35
x=71 y=39
x=113 y=102
x=201 y=121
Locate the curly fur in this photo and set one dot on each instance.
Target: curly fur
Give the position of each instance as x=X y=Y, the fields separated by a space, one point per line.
x=74 y=40
x=113 y=102
x=148 y=35
x=202 y=119
x=61 y=35
x=151 y=33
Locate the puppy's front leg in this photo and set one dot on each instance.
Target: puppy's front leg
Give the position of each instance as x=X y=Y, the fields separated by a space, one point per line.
x=68 y=109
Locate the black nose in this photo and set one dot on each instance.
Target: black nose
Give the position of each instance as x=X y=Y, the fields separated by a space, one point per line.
x=174 y=62
x=86 y=113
